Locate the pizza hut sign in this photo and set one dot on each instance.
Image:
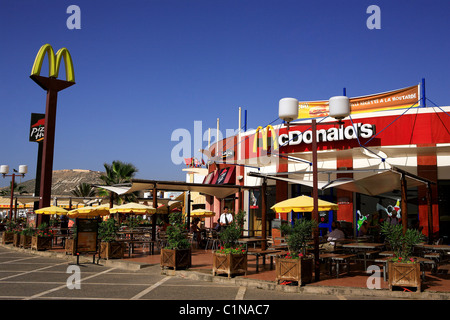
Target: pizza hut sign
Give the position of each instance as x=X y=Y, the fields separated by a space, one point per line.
x=37 y=127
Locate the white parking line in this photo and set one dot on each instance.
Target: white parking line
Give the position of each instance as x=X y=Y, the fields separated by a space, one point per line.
x=27 y=272
x=21 y=259
x=65 y=285
x=156 y=285
x=240 y=294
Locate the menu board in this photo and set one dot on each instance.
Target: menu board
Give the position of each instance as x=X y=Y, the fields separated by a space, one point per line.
x=87 y=231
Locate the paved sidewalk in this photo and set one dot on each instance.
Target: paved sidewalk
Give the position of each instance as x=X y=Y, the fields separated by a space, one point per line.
x=436 y=286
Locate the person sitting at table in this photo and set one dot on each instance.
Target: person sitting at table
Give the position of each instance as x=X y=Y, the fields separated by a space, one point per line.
x=335 y=234
x=196 y=231
x=363 y=229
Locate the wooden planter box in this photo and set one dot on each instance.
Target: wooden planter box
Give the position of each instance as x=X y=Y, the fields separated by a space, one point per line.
x=404 y=275
x=176 y=259
x=294 y=270
x=25 y=241
x=230 y=264
x=70 y=246
x=41 y=243
x=7 y=237
x=112 y=250
x=16 y=240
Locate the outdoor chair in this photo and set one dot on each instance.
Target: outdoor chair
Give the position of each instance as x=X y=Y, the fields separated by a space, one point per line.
x=212 y=240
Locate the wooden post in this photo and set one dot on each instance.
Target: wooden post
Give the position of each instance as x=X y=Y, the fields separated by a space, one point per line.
x=315 y=213
x=155 y=205
x=263 y=213
x=52 y=86
x=430 y=214
x=404 y=205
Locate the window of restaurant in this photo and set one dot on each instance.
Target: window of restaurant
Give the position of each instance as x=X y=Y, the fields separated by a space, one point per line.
x=255 y=214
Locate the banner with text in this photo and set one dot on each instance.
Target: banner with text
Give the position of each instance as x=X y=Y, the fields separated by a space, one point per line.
x=397 y=99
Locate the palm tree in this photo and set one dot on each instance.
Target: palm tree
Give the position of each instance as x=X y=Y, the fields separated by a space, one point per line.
x=116 y=173
x=83 y=190
x=17 y=189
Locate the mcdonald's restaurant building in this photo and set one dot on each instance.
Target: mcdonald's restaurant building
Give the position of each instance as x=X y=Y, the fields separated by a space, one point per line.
x=360 y=160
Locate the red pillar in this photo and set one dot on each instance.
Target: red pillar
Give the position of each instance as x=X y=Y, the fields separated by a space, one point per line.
x=427 y=168
x=344 y=197
x=282 y=187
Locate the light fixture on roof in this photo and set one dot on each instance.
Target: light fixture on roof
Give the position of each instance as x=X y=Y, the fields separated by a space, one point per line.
x=288 y=110
x=339 y=107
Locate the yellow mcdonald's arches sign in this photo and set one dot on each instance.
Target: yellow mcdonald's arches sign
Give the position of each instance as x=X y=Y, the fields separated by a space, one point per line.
x=54 y=62
x=265 y=132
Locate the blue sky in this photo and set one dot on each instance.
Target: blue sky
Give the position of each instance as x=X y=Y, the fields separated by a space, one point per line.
x=144 y=68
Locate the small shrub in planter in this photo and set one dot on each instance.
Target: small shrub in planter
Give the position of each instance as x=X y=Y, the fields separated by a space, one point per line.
x=16 y=237
x=25 y=237
x=8 y=235
x=296 y=266
x=177 y=253
x=109 y=247
x=231 y=258
x=42 y=238
x=403 y=269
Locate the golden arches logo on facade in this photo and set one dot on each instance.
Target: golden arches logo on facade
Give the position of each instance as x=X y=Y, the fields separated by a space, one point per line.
x=54 y=62
x=265 y=132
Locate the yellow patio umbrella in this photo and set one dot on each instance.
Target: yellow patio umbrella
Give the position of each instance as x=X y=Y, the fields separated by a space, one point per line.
x=133 y=207
x=52 y=210
x=89 y=212
x=302 y=204
x=202 y=213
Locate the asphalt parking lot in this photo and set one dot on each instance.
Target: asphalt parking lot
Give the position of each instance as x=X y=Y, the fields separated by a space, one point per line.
x=26 y=276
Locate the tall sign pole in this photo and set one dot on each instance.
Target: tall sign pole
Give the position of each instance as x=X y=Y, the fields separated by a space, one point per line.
x=52 y=85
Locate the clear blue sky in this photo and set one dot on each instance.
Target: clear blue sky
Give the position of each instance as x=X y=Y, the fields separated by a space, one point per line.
x=147 y=67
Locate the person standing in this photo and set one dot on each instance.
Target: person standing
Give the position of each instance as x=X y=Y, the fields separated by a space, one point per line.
x=225 y=219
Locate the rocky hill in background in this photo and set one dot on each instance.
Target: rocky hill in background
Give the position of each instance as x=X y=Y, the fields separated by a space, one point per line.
x=64 y=181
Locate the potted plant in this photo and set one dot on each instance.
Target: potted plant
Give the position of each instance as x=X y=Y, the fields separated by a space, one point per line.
x=231 y=258
x=8 y=235
x=42 y=238
x=16 y=236
x=296 y=265
x=177 y=252
x=25 y=237
x=109 y=247
x=403 y=269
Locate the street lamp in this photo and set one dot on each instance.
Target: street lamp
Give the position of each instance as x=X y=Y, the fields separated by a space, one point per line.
x=4 y=170
x=288 y=111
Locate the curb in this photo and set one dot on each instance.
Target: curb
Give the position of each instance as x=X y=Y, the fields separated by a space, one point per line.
x=309 y=288
x=249 y=283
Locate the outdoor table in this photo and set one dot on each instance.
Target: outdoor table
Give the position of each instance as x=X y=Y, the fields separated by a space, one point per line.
x=435 y=247
x=246 y=241
x=364 y=247
x=337 y=257
x=62 y=236
x=131 y=244
x=262 y=253
x=131 y=233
